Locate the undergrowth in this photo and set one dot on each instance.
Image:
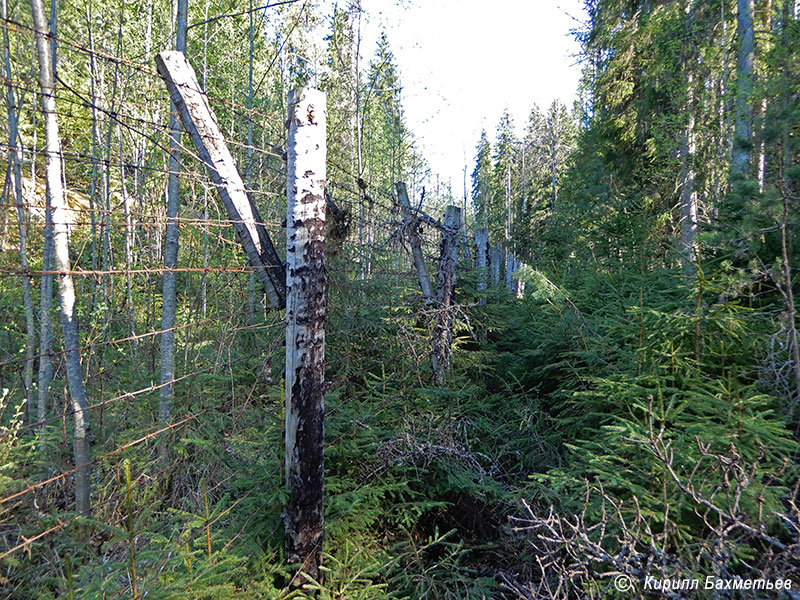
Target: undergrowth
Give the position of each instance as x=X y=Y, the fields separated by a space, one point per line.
x=549 y=394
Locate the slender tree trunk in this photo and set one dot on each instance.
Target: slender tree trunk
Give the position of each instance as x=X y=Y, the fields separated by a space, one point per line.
x=66 y=291
x=762 y=148
x=743 y=125
x=95 y=137
x=204 y=276
x=248 y=179
x=791 y=313
x=464 y=236
x=362 y=273
x=553 y=173
x=169 y=299
x=785 y=186
x=130 y=242
x=766 y=25
x=15 y=160
x=108 y=250
x=687 y=187
x=688 y=200
x=45 y=374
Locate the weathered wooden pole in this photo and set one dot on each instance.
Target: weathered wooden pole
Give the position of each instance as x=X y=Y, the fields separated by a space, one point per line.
x=519 y=282
x=496 y=257
x=481 y=260
x=412 y=233
x=201 y=124
x=511 y=263
x=445 y=290
x=306 y=310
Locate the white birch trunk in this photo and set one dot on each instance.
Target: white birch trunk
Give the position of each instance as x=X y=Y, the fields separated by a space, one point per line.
x=306 y=311
x=688 y=201
x=66 y=291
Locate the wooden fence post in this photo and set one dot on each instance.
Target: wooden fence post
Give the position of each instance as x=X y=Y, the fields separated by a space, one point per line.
x=496 y=257
x=306 y=311
x=201 y=124
x=410 y=227
x=481 y=260
x=522 y=270
x=445 y=289
x=511 y=263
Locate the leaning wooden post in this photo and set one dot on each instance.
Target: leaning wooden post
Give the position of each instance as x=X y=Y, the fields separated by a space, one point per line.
x=201 y=124
x=410 y=226
x=306 y=309
x=446 y=285
x=481 y=260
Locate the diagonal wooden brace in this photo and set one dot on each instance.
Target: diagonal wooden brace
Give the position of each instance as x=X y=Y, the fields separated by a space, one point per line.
x=201 y=124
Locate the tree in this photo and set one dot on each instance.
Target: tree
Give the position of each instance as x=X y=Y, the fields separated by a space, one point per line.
x=556 y=143
x=66 y=292
x=482 y=180
x=501 y=197
x=743 y=127
x=166 y=392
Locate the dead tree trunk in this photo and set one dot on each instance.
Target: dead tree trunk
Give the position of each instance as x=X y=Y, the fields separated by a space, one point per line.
x=66 y=291
x=445 y=290
x=201 y=124
x=511 y=263
x=481 y=260
x=306 y=311
x=410 y=226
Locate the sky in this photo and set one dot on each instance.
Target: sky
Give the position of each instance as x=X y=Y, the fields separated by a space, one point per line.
x=462 y=62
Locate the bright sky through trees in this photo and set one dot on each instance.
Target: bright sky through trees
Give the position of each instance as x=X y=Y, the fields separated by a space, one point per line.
x=463 y=61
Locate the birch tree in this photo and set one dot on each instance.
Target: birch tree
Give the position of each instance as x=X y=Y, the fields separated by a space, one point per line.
x=56 y=198
x=688 y=200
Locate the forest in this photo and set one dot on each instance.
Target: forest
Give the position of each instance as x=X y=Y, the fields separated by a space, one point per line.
x=253 y=346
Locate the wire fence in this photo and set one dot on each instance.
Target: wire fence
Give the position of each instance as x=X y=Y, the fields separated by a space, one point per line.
x=229 y=352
